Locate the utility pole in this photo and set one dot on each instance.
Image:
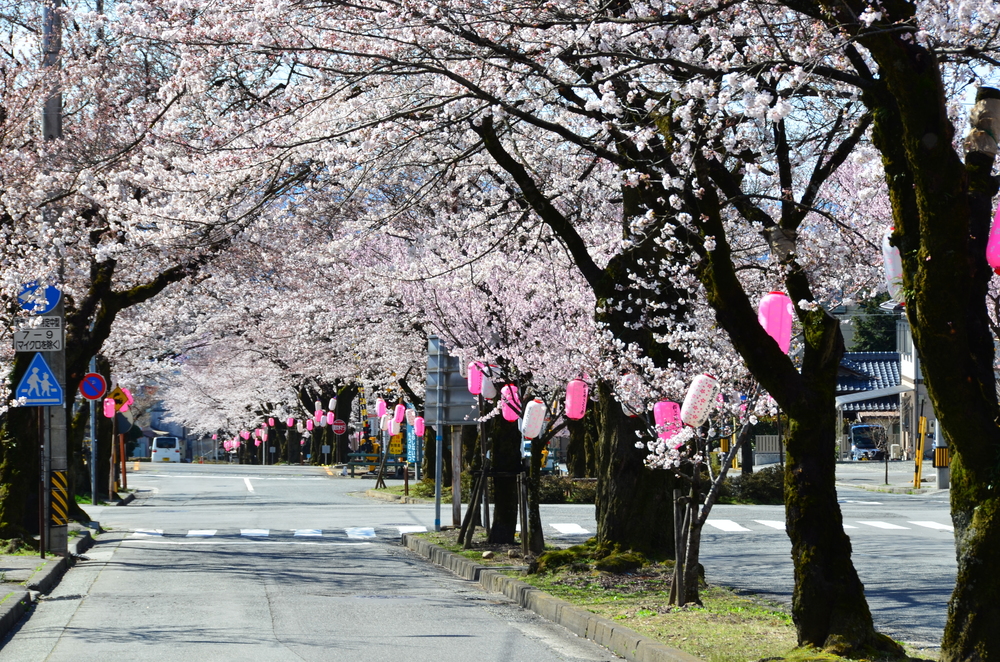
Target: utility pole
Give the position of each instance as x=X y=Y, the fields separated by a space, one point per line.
x=55 y=473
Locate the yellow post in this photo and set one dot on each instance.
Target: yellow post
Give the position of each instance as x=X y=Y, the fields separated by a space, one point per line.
x=921 y=429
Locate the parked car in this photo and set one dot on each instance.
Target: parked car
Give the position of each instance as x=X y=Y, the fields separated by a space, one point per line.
x=864 y=442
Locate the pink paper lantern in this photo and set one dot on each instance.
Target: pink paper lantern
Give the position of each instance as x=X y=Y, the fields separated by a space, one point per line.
x=534 y=419
x=775 y=315
x=309 y=425
x=214 y=437
x=264 y=436
x=399 y=414
x=699 y=400
x=256 y=442
x=475 y=378
x=330 y=418
x=317 y=415
x=993 y=244
x=290 y=422
x=668 y=418
x=302 y=442
x=510 y=403
x=577 y=393
x=270 y=422
x=894 y=265
x=418 y=426
x=380 y=407
x=109 y=407
x=245 y=435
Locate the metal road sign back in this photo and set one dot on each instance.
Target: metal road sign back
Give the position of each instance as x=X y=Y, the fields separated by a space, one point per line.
x=39 y=385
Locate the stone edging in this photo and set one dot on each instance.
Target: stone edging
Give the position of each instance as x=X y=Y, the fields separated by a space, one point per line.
x=614 y=636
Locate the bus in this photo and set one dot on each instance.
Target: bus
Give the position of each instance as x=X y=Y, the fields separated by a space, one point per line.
x=166 y=449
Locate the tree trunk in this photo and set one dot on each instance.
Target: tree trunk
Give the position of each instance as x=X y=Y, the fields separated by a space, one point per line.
x=634 y=502
x=828 y=605
x=506 y=459
x=536 y=535
x=581 y=454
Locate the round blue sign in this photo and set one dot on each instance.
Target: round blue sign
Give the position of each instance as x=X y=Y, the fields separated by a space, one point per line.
x=32 y=300
x=93 y=386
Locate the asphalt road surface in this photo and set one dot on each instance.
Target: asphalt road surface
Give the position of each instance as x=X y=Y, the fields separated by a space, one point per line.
x=290 y=563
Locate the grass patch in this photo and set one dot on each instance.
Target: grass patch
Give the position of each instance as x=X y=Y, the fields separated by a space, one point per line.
x=727 y=626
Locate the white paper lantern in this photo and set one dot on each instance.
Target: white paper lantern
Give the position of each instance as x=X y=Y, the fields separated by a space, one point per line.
x=699 y=400
x=533 y=419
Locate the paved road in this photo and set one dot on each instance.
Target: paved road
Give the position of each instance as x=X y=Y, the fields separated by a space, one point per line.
x=289 y=564
x=272 y=564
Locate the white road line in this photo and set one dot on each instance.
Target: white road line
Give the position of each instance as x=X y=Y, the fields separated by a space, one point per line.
x=249 y=486
x=773 y=523
x=849 y=526
x=935 y=525
x=315 y=533
x=141 y=533
x=250 y=541
x=360 y=532
x=883 y=525
x=411 y=529
x=727 y=525
x=255 y=533
x=200 y=533
x=569 y=528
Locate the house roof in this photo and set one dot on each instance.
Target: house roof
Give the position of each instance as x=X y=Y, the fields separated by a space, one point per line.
x=868 y=371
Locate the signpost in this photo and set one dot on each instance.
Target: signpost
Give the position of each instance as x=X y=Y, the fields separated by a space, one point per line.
x=339 y=427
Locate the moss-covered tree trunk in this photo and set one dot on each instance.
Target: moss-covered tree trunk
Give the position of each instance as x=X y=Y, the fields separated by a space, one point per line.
x=634 y=502
x=19 y=465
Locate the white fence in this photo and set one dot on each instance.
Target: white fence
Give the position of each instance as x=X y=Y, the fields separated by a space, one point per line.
x=767 y=443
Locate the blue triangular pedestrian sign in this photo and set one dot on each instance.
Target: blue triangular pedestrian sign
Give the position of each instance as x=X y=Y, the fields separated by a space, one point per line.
x=39 y=385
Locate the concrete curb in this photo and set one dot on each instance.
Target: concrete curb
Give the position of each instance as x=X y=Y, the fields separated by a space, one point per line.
x=12 y=607
x=394 y=498
x=894 y=489
x=15 y=604
x=619 y=639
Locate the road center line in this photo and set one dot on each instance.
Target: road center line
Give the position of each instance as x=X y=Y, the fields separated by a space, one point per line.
x=249 y=486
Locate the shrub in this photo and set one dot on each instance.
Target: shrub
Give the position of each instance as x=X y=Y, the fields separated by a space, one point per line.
x=621 y=562
x=766 y=486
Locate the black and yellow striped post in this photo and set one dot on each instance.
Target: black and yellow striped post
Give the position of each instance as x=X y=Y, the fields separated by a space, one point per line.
x=59 y=504
x=942 y=457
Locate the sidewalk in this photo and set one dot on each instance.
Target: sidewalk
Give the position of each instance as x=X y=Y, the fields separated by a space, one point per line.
x=872 y=476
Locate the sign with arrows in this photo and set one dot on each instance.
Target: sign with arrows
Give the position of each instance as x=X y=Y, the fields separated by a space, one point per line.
x=36 y=300
x=122 y=398
x=39 y=386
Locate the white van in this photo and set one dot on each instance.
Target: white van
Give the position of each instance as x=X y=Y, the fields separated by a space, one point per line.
x=166 y=449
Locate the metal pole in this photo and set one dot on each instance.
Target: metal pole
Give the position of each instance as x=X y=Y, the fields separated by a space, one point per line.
x=93 y=441
x=438 y=450
x=41 y=481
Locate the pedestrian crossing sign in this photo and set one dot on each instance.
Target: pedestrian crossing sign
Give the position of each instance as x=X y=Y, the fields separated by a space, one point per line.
x=39 y=386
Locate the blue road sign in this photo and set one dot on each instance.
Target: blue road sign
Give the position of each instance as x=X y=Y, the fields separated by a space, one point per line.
x=30 y=298
x=39 y=385
x=93 y=386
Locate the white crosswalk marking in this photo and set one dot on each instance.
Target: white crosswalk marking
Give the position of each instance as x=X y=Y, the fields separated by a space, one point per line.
x=308 y=533
x=200 y=533
x=727 y=525
x=411 y=529
x=883 y=525
x=142 y=533
x=360 y=532
x=254 y=533
x=569 y=528
x=935 y=525
x=773 y=523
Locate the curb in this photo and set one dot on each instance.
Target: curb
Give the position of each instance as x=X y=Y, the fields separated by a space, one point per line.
x=894 y=489
x=15 y=604
x=394 y=498
x=613 y=636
